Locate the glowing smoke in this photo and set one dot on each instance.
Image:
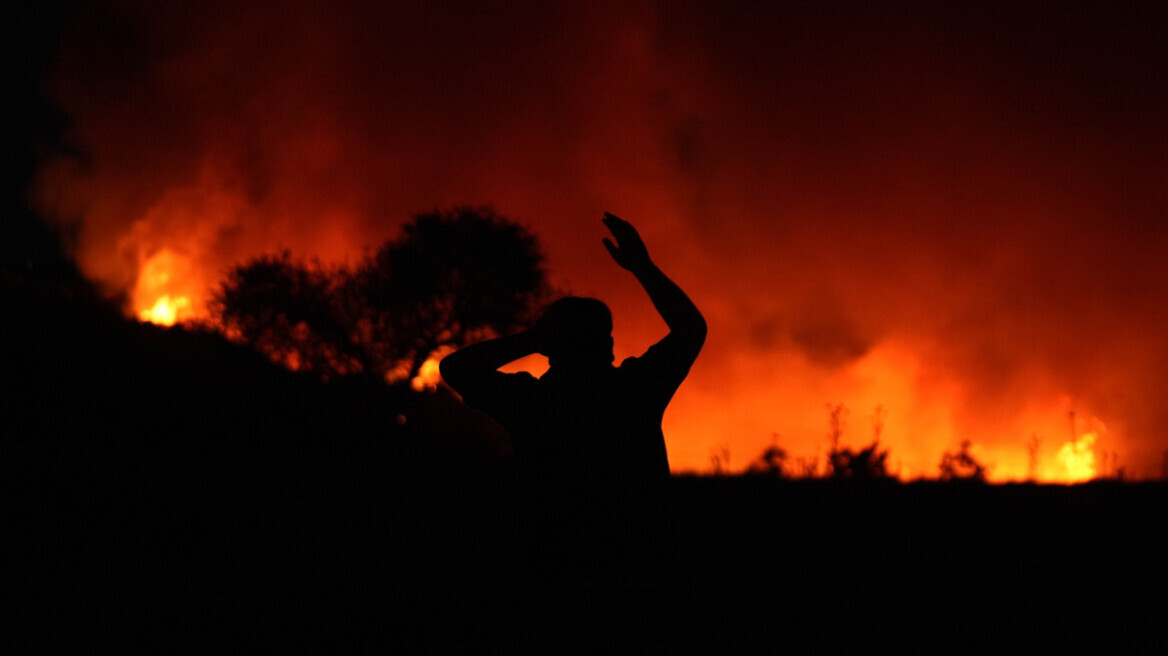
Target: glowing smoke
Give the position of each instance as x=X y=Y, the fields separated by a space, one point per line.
x=954 y=214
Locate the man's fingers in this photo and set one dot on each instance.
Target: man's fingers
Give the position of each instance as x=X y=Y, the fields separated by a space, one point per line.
x=610 y=246
x=614 y=222
x=615 y=229
x=619 y=228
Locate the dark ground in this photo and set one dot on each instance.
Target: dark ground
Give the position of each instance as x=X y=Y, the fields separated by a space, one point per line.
x=130 y=557
x=169 y=492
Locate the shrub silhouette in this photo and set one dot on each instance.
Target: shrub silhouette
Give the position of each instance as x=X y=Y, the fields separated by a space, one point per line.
x=866 y=463
x=450 y=278
x=720 y=459
x=962 y=466
x=844 y=463
x=771 y=462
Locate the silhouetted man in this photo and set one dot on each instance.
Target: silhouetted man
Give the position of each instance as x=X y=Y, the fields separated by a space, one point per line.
x=585 y=422
x=587 y=435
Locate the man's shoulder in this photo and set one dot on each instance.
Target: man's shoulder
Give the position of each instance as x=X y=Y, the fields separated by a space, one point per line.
x=638 y=368
x=656 y=355
x=659 y=366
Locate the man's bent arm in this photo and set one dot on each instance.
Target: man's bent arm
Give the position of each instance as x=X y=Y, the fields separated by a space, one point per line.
x=679 y=313
x=472 y=364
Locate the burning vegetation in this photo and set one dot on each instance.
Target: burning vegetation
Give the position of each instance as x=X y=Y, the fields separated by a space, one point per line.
x=888 y=217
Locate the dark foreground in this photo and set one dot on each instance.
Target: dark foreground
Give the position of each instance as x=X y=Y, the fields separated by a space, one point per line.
x=338 y=558
x=170 y=493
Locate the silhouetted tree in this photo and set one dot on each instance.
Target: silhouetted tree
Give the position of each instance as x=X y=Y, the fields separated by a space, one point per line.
x=962 y=466
x=448 y=279
x=452 y=278
x=293 y=311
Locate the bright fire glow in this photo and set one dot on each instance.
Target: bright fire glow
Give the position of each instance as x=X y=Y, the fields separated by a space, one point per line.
x=166 y=310
x=428 y=375
x=1077 y=459
x=165 y=289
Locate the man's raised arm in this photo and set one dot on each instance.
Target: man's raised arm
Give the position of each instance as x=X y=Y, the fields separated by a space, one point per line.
x=687 y=327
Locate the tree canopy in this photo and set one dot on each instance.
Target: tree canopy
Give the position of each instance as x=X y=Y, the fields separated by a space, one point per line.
x=449 y=278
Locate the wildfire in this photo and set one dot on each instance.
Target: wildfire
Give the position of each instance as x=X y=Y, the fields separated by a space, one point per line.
x=166 y=289
x=166 y=311
x=1077 y=460
x=169 y=289
x=428 y=375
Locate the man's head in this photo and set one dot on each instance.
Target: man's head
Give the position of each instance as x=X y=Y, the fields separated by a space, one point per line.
x=577 y=332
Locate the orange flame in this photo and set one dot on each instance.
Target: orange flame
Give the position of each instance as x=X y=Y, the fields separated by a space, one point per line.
x=429 y=376
x=167 y=311
x=166 y=290
x=1077 y=460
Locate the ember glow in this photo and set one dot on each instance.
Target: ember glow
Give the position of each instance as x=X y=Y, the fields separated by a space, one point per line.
x=157 y=295
x=428 y=376
x=1077 y=459
x=954 y=214
x=167 y=311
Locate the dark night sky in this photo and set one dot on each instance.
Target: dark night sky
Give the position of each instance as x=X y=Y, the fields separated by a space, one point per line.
x=953 y=211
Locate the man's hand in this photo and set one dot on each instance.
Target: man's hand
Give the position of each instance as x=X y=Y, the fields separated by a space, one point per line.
x=629 y=251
